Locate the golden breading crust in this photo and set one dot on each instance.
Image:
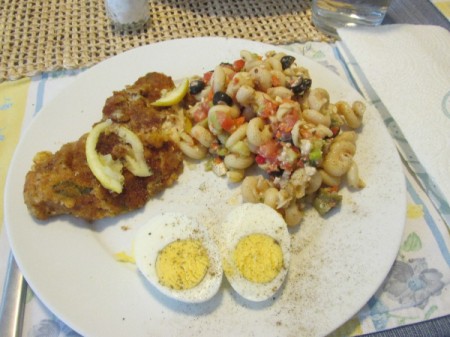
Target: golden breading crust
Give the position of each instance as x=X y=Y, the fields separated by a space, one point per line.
x=62 y=183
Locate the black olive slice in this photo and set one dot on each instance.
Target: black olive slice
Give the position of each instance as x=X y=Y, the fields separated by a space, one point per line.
x=286 y=61
x=222 y=97
x=196 y=86
x=301 y=85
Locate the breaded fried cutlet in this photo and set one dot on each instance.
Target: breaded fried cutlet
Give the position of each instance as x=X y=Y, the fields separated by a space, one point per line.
x=62 y=182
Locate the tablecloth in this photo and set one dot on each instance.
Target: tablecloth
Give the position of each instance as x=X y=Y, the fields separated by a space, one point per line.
x=416 y=289
x=443 y=6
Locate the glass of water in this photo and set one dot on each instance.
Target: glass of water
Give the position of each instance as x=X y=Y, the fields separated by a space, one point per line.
x=329 y=15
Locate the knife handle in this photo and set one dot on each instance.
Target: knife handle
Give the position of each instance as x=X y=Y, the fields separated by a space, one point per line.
x=13 y=301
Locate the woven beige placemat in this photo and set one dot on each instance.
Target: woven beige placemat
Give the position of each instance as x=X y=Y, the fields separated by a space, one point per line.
x=44 y=35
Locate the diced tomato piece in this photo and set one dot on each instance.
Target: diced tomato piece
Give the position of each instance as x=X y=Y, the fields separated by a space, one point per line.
x=270 y=150
x=207 y=76
x=224 y=120
x=201 y=112
x=214 y=146
x=221 y=115
x=289 y=121
x=226 y=65
x=269 y=109
x=260 y=159
x=333 y=189
x=227 y=123
x=335 y=130
x=287 y=100
x=238 y=65
x=305 y=134
x=275 y=81
x=284 y=128
x=239 y=121
x=286 y=166
x=209 y=97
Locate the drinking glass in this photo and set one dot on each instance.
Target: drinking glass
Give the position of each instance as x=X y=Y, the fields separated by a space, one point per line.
x=329 y=15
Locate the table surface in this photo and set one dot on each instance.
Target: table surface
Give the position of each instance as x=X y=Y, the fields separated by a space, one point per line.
x=74 y=34
x=415 y=12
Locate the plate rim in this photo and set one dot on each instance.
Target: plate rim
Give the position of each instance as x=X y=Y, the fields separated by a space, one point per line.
x=105 y=63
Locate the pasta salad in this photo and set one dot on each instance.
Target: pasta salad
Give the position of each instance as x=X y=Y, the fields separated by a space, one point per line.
x=263 y=110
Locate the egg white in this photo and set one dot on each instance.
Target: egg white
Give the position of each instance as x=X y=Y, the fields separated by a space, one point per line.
x=249 y=219
x=161 y=231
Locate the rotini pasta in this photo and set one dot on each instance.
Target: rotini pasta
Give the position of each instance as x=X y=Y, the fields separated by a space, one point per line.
x=339 y=158
x=352 y=117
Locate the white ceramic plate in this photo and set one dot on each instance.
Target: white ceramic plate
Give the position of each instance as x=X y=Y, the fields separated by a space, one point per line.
x=337 y=263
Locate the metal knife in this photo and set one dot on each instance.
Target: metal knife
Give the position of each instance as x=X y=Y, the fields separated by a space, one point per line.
x=13 y=301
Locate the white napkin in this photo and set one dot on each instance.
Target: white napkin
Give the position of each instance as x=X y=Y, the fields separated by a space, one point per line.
x=408 y=66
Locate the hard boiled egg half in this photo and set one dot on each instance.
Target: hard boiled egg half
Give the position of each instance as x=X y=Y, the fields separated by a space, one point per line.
x=179 y=258
x=255 y=247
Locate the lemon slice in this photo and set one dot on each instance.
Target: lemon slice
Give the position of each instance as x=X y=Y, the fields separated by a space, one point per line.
x=134 y=159
x=109 y=171
x=174 y=96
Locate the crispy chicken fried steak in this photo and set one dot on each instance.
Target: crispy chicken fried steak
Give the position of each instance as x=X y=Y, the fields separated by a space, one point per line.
x=63 y=183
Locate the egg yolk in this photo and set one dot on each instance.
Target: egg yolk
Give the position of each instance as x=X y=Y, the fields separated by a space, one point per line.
x=182 y=264
x=258 y=257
